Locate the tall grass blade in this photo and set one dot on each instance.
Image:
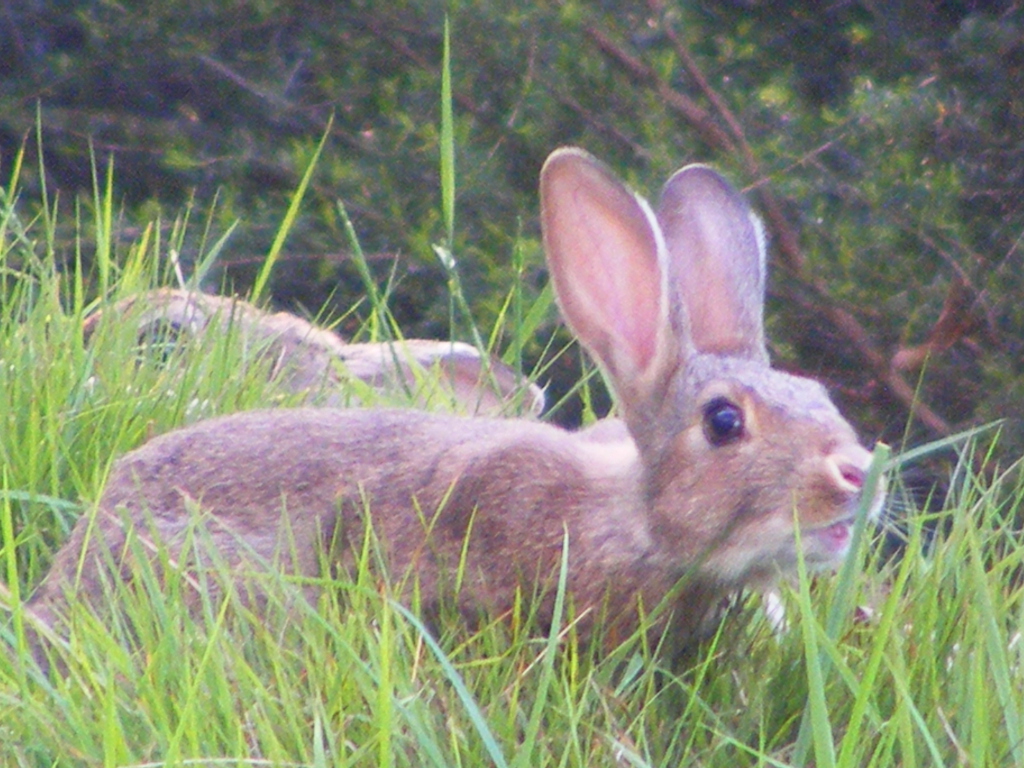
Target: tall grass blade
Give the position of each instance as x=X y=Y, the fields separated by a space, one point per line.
x=907 y=701
x=959 y=440
x=1002 y=673
x=815 y=727
x=524 y=758
x=472 y=708
x=384 y=716
x=263 y=278
x=380 y=325
x=49 y=215
x=866 y=688
x=447 y=139
x=103 y=204
x=10 y=563
x=842 y=602
x=814 y=719
x=203 y=267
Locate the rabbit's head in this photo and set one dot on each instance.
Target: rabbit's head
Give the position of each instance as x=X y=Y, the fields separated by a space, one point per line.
x=735 y=454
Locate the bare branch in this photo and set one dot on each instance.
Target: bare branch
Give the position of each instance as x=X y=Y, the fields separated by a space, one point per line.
x=693 y=113
x=887 y=374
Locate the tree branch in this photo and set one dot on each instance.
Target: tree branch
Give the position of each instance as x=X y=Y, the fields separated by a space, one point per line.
x=698 y=117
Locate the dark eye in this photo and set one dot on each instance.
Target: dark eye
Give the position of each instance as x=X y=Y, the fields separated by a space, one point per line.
x=723 y=421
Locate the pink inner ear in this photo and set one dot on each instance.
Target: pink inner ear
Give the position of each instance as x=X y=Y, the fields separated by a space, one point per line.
x=717 y=254
x=718 y=322
x=604 y=257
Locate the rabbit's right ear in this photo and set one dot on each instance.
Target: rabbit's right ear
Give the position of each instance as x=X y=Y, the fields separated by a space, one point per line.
x=716 y=254
x=607 y=260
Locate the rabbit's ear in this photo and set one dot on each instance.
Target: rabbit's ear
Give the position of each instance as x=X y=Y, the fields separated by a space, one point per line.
x=607 y=257
x=716 y=256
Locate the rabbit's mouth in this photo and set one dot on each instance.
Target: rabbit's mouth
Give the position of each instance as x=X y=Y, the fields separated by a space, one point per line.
x=833 y=541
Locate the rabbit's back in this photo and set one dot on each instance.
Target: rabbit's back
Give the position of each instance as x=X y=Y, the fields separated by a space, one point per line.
x=490 y=499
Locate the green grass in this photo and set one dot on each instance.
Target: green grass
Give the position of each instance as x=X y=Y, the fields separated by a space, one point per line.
x=931 y=677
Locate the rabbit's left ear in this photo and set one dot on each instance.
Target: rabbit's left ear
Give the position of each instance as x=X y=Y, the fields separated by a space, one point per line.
x=607 y=262
x=717 y=262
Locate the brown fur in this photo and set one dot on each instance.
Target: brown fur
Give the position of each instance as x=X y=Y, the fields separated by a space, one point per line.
x=317 y=362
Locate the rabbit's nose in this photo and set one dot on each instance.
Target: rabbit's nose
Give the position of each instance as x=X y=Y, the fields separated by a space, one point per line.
x=850 y=468
x=852 y=475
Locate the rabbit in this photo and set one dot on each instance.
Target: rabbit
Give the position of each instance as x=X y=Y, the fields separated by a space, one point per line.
x=690 y=495
x=318 y=362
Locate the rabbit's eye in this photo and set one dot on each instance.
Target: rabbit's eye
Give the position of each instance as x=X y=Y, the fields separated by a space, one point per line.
x=723 y=421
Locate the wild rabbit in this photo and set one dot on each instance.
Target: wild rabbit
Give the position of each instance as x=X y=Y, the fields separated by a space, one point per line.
x=697 y=500
x=317 y=362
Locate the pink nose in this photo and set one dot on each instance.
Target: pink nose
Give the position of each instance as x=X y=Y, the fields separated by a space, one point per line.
x=849 y=468
x=852 y=474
